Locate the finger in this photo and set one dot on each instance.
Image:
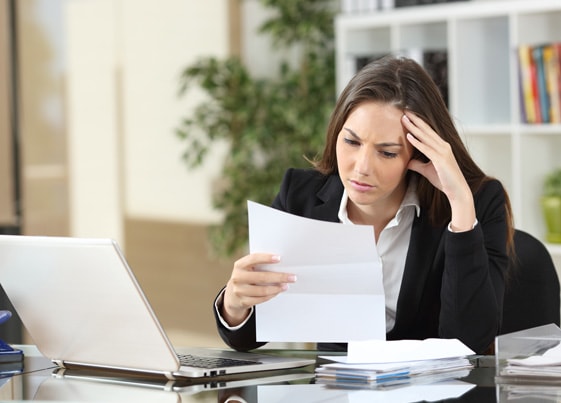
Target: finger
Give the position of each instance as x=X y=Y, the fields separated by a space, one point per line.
x=421 y=130
x=262 y=291
x=247 y=295
x=264 y=277
x=415 y=121
x=422 y=147
x=249 y=262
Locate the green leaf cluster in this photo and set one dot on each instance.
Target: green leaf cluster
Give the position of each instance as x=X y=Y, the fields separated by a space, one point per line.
x=269 y=124
x=552 y=183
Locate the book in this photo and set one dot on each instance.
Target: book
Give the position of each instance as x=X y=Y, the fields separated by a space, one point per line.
x=525 y=83
x=552 y=78
x=539 y=75
x=535 y=87
x=543 y=97
x=409 y=3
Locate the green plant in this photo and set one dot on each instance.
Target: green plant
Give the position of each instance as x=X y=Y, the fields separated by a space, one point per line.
x=551 y=206
x=269 y=124
x=552 y=183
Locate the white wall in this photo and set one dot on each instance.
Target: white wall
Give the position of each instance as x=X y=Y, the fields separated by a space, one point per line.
x=93 y=156
x=157 y=43
x=257 y=51
x=256 y=47
x=124 y=58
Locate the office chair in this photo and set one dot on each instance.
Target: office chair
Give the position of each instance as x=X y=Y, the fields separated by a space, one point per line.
x=532 y=292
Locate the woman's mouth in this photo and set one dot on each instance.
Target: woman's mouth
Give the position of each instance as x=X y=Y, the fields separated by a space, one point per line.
x=360 y=186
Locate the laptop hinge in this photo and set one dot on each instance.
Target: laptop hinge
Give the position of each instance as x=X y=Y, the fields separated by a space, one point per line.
x=60 y=363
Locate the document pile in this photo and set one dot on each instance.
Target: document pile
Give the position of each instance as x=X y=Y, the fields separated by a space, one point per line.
x=546 y=365
x=529 y=356
x=379 y=363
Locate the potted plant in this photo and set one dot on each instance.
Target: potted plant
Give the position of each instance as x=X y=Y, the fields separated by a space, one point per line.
x=551 y=205
x=270 y=124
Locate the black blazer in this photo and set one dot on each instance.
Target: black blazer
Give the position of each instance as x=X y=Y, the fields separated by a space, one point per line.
x=453 y=283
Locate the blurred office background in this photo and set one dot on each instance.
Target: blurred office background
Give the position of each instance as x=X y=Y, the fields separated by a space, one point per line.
x=88 y=107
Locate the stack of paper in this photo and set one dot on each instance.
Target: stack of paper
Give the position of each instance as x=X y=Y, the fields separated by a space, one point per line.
x=383 y=363
x=547 y=365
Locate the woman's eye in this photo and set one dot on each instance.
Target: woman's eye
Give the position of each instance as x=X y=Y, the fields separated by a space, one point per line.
x=387 y=154
x=351 y=142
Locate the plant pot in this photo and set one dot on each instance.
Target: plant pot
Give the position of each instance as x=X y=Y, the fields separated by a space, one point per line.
x=551 y=206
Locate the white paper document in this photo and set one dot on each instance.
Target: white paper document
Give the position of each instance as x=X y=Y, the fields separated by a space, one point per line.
x=546 y=365
x=338 y=295
x=551 y=357
x=381 y=351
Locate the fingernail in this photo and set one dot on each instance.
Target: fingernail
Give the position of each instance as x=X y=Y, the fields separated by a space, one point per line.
x=292 y=278
x=405 y=117
x=275 y=258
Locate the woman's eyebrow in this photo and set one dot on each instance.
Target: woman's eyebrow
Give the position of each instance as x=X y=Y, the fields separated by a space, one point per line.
x=352 y=133
x=384 y=144
x=389 y=144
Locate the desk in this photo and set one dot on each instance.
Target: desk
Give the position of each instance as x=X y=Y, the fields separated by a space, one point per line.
x=40 y=382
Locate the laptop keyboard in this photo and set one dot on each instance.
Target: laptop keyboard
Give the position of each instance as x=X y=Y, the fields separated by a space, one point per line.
x=212 y=362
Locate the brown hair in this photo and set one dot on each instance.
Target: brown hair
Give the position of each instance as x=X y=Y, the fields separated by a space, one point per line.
x=402 y=82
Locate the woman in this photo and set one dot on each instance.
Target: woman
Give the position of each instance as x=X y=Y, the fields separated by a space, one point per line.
x=394 y=160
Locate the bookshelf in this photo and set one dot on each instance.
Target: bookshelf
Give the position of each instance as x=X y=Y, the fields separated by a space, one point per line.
x=481 y=39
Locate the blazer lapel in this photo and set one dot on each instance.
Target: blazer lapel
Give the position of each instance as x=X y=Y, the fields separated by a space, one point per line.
x=423 y=247
x=328 y=200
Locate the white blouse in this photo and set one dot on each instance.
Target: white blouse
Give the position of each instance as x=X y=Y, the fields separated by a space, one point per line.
x=392 y=245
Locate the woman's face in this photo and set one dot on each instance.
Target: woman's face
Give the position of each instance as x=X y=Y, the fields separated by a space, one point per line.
x=372 y=156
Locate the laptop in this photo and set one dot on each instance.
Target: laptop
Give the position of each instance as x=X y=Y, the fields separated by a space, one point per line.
x=82 y=306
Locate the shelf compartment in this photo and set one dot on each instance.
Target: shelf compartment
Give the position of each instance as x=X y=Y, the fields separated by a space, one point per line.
x=539 y=27
x=492 y=152
x=422 y=36
x=482 y=70
x=539 y=155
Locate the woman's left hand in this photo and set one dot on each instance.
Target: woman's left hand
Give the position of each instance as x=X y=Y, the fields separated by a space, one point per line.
x=442 y=169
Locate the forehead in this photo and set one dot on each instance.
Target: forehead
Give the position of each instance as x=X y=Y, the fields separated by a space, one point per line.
x=373 y=117
x=375 y=109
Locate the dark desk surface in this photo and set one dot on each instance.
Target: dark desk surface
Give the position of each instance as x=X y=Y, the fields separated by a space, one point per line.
x=41 y=380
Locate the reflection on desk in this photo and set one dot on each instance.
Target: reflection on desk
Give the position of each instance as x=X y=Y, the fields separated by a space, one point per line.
x=43 y=381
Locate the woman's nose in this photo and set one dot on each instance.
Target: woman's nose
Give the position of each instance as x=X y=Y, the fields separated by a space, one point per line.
x=363 y=162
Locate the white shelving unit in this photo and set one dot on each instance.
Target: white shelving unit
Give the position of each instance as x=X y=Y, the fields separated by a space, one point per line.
x=481 y=38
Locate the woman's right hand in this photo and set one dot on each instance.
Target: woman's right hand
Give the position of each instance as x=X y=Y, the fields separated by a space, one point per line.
x=249 y=286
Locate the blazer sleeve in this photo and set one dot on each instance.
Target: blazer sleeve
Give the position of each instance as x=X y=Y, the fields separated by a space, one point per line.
x=473 y=282
x=241 y=339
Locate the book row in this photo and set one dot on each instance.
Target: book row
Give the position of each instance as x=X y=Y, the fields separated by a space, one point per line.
x=540 y=82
